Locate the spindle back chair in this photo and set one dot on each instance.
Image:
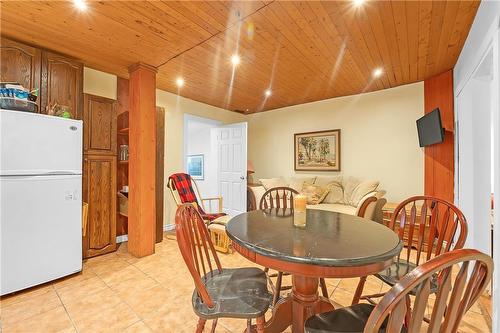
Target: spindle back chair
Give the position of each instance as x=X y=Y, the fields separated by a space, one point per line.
x=455 y=295
x=462 y=277
x=429 y=227
x=231 y=293
x=278 y=197
x=196 y=248
x=281 y=199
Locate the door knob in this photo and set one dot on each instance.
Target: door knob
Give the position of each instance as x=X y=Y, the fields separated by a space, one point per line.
x=242 y=178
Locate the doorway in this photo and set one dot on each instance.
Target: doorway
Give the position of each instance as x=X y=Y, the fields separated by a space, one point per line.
x=215 y=155
x=478 y=160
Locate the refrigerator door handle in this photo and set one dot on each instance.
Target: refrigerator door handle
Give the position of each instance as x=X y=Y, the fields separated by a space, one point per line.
x=61 y=172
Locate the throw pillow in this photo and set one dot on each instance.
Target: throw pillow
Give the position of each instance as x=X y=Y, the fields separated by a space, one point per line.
x=361 y=190
x=314 y=193
x=334 y=184
x=272 y=182
x=298 y=182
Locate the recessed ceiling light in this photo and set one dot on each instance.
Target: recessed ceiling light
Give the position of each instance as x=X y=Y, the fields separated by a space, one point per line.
x=235 y=59
x=358 y=3
x=377 y=72
x=80 y=4
x=179 y=82
x=268 y=92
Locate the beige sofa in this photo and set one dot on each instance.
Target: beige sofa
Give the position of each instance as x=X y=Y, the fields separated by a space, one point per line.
x=346 y=195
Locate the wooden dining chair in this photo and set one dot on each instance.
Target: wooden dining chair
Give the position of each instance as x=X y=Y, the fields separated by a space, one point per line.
x=281 y=198
x=219 y=292
x=456 y=292
x=428 y=227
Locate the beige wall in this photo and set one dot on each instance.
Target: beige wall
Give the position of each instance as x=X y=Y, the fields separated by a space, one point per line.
x=175 y=108
x=99 y=83
x=378 y=137
x=104 y=84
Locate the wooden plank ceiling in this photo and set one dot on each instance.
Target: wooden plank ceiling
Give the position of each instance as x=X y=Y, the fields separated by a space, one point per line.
x=302 y=51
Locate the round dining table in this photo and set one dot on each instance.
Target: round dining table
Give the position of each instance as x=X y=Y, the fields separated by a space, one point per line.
x=330 y=245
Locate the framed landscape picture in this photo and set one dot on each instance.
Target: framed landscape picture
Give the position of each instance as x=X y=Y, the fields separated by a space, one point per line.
x=317 y=151
x=195 y=166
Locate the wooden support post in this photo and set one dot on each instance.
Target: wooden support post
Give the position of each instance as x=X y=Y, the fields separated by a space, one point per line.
x=142 y=160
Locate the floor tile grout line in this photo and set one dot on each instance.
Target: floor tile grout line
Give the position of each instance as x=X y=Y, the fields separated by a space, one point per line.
x=125 y=302
x=35 y=314
x=66 y=310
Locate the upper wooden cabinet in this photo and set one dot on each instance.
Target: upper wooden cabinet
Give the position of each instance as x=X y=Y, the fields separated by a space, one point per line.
x=99 y=118
x=20 y=63
x=62 y=82
x=58 y=78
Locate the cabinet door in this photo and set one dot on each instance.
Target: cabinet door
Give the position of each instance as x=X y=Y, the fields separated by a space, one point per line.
x=62 y=83
x=20 y=63
x=99 y=191
x=99 y=130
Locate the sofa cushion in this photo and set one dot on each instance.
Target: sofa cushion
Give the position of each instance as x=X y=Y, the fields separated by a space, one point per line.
x=325 y=180
x=362 y=190
x=349 y=184
x=298 y=182
x=334 y=184
x=258 y=192
x=269 y=183
x=339 y=208
x=314 y=193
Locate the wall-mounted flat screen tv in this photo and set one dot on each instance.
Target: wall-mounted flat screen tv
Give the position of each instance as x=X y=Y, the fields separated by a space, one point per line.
x=430 y=129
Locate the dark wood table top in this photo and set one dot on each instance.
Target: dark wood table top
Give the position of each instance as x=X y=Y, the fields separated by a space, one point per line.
x=329 y=239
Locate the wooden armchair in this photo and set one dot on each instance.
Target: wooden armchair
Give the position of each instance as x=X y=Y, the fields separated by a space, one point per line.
x=456 y=291
x=210 y=200
x=216 y=221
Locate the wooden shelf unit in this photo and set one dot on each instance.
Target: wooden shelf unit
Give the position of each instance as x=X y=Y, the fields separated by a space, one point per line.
x=122 y=170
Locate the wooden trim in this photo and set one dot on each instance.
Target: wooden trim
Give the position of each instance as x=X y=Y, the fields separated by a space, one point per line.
x=439 y=169
x=143 y=66
x=142 y=164
x=365 y=204
x=160 y=170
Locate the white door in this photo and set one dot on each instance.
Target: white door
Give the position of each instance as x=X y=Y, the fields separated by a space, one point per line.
x=232 y=167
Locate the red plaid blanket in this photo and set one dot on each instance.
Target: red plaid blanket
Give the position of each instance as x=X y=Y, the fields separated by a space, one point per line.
x=183 y=185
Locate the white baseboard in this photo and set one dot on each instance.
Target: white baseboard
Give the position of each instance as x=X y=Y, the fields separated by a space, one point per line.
x=124 y=238
x=121 y=239
x=168 y=227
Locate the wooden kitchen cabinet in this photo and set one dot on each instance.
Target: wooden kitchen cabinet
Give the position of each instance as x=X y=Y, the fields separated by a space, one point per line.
x=20 y=63
x=59 y=78
x=61 y=82
x=99 y=191
x=99 y=117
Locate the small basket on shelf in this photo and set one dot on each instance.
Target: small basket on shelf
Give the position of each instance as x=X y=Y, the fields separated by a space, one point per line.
x=123 y=203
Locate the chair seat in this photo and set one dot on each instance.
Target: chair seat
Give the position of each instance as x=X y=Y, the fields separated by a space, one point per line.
x=351 y=319
x=400 y=268
x=237 y=293
x=222 y=220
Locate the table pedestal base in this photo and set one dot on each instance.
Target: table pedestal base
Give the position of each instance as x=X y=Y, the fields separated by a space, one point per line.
x=301 y=304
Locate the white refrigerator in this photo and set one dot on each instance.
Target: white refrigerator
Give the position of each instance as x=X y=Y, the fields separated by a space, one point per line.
x=40 y=199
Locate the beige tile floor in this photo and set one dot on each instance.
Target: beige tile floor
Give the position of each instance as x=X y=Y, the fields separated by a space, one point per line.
x=120 y=293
